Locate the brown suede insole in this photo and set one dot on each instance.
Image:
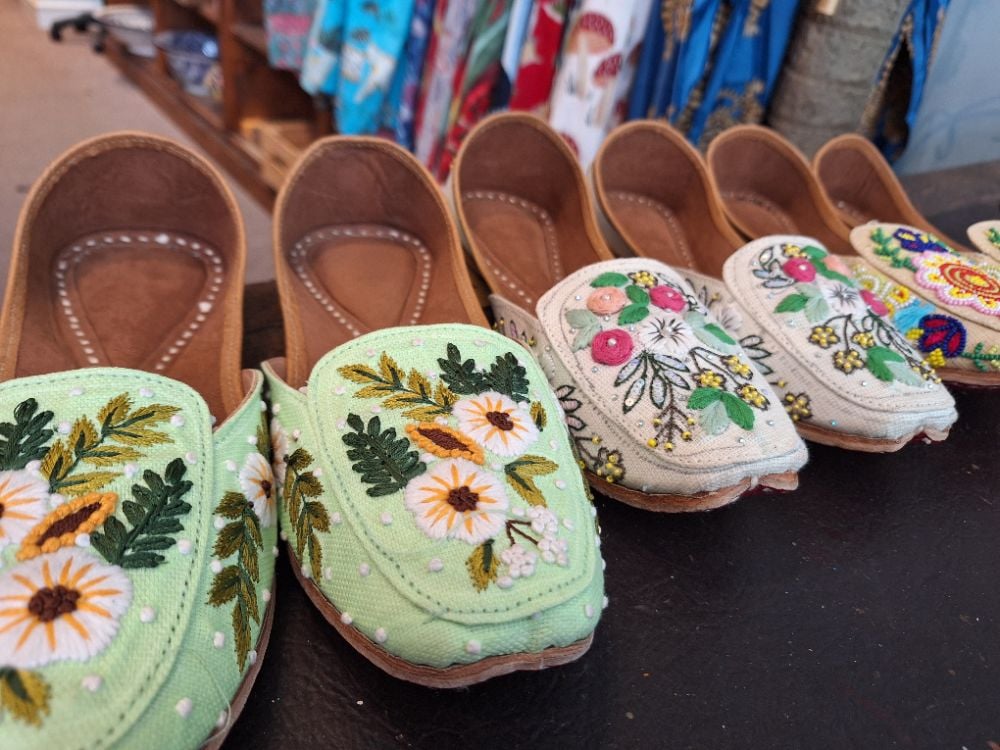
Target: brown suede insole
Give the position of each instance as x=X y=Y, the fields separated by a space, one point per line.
x=518 y=241
x=763 y=217
x=356 y=278
x=656 y=230
x=146 y=300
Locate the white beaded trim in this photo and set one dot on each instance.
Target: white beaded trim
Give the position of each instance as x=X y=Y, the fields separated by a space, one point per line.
x=299 y=257
x=75 y=253
x=551 y=244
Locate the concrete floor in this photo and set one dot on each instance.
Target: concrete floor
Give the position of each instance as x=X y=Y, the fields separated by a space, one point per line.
x=53 y=95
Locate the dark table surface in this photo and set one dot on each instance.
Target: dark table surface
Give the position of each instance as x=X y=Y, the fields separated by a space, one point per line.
x=860 y=611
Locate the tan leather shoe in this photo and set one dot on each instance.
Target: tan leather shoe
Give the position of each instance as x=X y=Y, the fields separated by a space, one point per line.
x=863 y=188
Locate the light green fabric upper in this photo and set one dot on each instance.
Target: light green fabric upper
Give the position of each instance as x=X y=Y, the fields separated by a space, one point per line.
x=160 y=661
x=359 y=498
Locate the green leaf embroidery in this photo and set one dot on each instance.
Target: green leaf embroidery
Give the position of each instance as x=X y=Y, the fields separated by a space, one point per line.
x=792 y=303
x=483 y=565
x=703 y=397
x=814 y=253
x=508 y=376
x=738 y=411
x=637 y=294
x=384 y=461
x=305 y=516
x=902 y=372
x=632 y=314
x=823 y=270
x=114 y=441
x=720 y=333
x=520 y=475
x=461 y=375
x=242 y=537
x=817 y=310
x=413 y=394
x=154 y=518
x=25 y=695
x=587 y=326
x=714 y=419
x=610 y=278
x=23 y=440
x=878 y=359
x=538 y=415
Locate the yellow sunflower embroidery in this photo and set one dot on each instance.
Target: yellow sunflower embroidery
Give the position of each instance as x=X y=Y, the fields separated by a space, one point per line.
x=61 y=527
x=444 y=442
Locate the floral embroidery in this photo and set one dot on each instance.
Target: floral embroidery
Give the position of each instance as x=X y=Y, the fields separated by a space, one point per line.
x=496 y=422
x=843 y=321
x=279 y=451
x=485 y=412
x=63 y=526
x=606 y=300
x=797 y=406
x=306 y=515
x=730 y=319
x=23 y=502
x=257 y=482
x=939 y=337
x=919 y=242
x=604 y=462
x=63 y=606
x=957 y=281
x=61 y=601
x=671 y=357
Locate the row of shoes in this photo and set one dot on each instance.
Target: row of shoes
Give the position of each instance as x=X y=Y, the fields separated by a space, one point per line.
x=674 y=329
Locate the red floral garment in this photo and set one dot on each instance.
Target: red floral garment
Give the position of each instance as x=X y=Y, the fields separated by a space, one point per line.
x=538 y=58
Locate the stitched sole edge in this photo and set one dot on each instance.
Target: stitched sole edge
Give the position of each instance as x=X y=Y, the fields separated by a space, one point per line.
x=864 y=444
x=972 y=378
x=214 y=742
x=783 y=482
x=460 y=675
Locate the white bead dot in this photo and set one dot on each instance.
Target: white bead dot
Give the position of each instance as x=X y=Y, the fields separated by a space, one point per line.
x=252 y=439
x=328 y=573
x=568 y=523
x=304 y=570
x=346 y=618
x=604 y=604
x=364 y=569
x=473 y=647
x=191 y=457
x=145 y=393
x=177 y=420
x=131 y=470
x=219 y=639
x=92 y=682
x=231 y=465
x=76 y=391
x=252 y=656
x=219 y=522
x=505 y=582
x=215 y=566
x=588 y=610
x=184 y=546
x=147 y=614
x=83 y=540
x=560 y=484
x=274 y=551
x=184 y=707
x=385 y=518
x=435 y=565
x=276 y=408
x=64 y=428
x=266 y=595
x=221 y=721
x=284 y=535
x=381 y=636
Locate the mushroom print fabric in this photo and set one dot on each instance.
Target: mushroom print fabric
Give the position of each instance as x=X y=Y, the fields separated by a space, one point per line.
x=596 y=69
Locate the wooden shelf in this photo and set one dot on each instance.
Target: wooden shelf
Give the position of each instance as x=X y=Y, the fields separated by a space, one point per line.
x=251 y=89
x=252 y=35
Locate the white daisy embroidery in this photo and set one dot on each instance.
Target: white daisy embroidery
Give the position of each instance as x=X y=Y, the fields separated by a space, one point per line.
x=24 y=500
x=257 y=484
x=842 y=298
x=667 y=334
x=62 y=606
x=457 y=499
x=279 y=450
x=496 y=423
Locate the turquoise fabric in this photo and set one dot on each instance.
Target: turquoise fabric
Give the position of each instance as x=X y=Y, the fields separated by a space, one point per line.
x=432 y=599
x=161 y=665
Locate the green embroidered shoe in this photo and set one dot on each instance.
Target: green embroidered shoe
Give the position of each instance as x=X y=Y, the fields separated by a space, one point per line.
x=432 y=504
x=137 y=536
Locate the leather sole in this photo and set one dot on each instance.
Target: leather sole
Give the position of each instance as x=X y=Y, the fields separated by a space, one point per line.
x=864 y=444
x=783 y=482
x=460 y=675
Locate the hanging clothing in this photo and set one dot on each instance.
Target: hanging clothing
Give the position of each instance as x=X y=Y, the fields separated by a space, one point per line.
x=452 y=20
x=603 y=33
x=400 y=107
x=322 y=54
x=510 y=58
x=478 y=74
x=374 y=35
x=533 y=84
x=287 y=24
x=887 y=118
x=710 y=64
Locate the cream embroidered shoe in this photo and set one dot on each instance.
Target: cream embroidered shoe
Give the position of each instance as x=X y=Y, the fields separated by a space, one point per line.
x=430 y=498
x=137 y=519
x=845 y=376
x=664 y=405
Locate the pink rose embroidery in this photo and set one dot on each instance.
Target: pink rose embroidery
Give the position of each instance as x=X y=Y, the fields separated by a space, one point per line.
x=876 y=305
x=799 y=269
x=611 y=347
x=606 y=300
x=667 y=298
x=835 y=263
